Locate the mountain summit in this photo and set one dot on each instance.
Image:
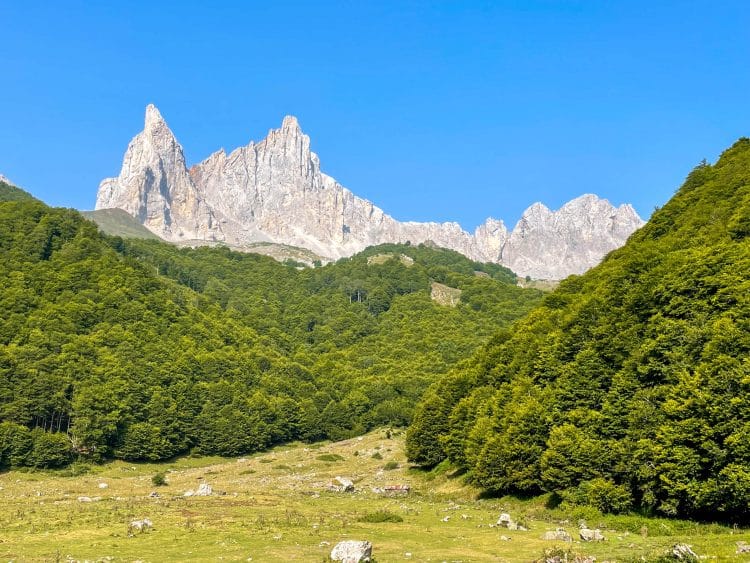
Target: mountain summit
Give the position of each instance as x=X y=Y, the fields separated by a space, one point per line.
x=274 y=191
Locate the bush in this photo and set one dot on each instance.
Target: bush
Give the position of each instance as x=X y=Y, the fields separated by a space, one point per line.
x=380 y=516
x=602 y=494
x=377 y=455
x=390 y=466
x=330 y=457
x=49 y=449
x=160 y=479
x=15 y=444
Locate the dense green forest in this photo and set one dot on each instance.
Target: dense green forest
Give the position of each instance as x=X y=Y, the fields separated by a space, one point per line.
x=138 y=350
x=629 y=386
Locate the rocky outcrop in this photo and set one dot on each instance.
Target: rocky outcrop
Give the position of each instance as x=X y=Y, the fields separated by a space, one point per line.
x=553 y=244
x=275 y=191
x=154 y=186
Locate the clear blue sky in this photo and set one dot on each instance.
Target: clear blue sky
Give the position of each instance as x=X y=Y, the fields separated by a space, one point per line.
x=432 y=110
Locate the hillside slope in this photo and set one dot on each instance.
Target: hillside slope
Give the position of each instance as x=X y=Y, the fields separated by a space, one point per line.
x=137 y=349
x=630 y=385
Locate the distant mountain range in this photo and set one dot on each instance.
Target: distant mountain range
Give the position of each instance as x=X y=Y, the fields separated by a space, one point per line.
x=274 y=191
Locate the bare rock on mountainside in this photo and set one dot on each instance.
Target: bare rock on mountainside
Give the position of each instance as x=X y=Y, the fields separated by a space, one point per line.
x=275 y=191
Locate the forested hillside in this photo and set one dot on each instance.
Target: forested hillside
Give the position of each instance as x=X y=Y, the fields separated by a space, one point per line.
x=629 y=386
x=138 y=350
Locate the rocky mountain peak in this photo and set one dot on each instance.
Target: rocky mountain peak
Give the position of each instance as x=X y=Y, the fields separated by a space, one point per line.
x=153 y=118
x=290 y=124
x=274 y=191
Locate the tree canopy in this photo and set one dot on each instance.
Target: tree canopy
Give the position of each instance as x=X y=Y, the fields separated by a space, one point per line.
x=628 y=386
x=139 y=350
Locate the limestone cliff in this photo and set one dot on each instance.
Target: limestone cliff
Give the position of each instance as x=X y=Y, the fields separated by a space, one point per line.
x=274 y=191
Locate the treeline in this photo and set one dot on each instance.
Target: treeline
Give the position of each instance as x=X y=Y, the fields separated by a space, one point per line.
x=142 y=351
x=629 y=386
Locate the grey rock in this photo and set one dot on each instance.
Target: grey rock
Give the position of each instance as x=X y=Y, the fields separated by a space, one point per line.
x=743 y=547
x=341 y=485
x=352 y=551
x=140 y=525
x=557 y=535
x=683 y=552
x=204 y=490
x=504 y=519
x=590 y=535
x=275 y=191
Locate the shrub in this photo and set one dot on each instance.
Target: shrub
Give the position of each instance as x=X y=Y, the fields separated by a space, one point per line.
x=160 y=479
x=377 y=455
x=602 y=494
x=50 y=449
x=390 y=466
x=380 y=516
x=329 y=457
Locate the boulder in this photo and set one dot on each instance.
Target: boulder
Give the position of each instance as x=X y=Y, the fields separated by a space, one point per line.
x=352 y=551
x=141 y=525
x=683 y=552
x=557 y=535
x=504 y=520
x=743 y=547
x=204 y=490
x=590 y=535
x=341 y=485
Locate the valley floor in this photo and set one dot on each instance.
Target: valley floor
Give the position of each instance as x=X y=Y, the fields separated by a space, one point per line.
x=275 y=506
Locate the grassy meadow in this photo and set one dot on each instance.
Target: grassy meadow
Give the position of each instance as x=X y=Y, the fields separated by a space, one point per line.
x=275 y=506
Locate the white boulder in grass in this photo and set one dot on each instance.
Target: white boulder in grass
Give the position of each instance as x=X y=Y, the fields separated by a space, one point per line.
x=352 y=551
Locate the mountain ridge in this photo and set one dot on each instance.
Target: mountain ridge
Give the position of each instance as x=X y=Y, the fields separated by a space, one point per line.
x=275 y=191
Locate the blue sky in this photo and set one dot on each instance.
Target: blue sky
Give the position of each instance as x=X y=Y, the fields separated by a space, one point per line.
x=432 y=110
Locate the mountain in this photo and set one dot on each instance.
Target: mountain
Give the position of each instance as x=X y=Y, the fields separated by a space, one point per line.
x=275 y=191
x=629 y=386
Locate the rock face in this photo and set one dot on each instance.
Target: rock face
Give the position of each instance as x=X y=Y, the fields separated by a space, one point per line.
x=275 y=191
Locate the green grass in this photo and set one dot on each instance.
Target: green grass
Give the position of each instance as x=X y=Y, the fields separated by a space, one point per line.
x=117 y=222
x=330 y=458
x=280 y=515
x=380 y=516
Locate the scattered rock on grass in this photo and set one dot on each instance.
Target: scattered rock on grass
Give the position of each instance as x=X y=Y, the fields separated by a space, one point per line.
x=341 y=485
x=140 y=525
x=204 y=490
x=590 y=535
x=743 y=547
x=683 y=552
x=352 y=551
x=505 y=521
x=557 y=535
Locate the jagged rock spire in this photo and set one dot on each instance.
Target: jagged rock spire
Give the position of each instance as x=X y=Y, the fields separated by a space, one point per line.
x=274 y=190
